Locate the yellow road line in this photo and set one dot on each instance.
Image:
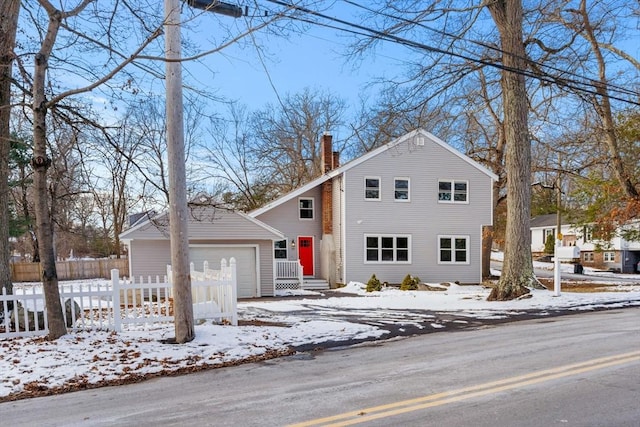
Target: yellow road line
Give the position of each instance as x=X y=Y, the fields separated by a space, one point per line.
x=382 y=411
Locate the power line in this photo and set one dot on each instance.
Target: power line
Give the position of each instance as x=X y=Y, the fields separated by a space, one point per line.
x=494 y=48
x=385 y=36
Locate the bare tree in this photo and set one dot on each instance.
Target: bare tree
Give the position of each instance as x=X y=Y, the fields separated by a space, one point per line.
x=232 y=163
x=41 y=160
x=580 y=21
x=288 y=136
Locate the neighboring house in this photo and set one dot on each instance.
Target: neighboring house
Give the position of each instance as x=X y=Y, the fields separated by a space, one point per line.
x=214 y=233
x=413 y=206
x=618 y=254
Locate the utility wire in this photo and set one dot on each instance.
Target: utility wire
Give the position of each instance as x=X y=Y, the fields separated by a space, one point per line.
x=493 y=48
x=385 y=36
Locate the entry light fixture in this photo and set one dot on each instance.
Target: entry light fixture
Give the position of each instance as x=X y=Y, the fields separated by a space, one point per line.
x=293 y=244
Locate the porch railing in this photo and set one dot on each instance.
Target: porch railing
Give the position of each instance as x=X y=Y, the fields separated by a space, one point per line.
x=288 y=275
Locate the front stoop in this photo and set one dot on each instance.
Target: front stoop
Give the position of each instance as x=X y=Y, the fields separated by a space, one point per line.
x=315 y=285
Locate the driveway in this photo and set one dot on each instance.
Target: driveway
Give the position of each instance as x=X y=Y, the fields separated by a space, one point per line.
x=396 y=323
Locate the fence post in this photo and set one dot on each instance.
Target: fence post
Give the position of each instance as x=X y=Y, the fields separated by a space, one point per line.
x=300 y=276
x=115 y=285
x=234 y=298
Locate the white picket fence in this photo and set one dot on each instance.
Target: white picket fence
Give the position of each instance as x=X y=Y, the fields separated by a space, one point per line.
x=121 y=303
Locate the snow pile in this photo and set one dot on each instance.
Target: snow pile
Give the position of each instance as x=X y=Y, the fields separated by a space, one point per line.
x=269 y=328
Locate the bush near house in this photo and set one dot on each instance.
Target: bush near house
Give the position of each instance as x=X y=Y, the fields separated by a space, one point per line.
x=409 y=283
x=374 y=284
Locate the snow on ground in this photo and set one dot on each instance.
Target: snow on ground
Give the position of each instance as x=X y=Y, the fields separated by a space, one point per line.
x=270 y=327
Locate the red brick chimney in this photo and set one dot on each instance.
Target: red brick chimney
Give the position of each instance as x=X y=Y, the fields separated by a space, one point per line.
x=327 y=152
x=329 y=161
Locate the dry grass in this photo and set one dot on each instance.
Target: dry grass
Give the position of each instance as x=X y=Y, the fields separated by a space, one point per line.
x=582 y=287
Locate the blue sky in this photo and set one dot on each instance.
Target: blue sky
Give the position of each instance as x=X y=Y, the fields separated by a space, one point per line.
x=315 y=59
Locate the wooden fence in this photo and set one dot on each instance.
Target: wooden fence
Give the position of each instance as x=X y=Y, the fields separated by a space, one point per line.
x=71 y=270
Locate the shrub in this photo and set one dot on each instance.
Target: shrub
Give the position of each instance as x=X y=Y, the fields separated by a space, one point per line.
x=549 y=244
x=374 y=284
x=409 y=283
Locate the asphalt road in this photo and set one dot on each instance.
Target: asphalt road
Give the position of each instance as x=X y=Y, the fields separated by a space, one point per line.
x=581 y=369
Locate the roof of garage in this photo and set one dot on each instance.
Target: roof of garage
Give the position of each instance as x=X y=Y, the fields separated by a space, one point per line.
x=206 y=222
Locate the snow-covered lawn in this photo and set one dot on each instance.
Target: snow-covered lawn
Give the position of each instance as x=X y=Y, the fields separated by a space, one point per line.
x=269 y=327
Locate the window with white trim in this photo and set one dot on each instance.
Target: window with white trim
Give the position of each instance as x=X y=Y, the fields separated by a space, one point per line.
x=587 y=256
x=305 y=208
x=280 y=249
x=549 y=232
x=387 y=249
x=453 y=249
x=609 y=256
x=450 y=191
x=372 y=188
x=401 y=189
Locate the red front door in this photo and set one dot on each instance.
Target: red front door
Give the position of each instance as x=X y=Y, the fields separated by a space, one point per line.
x=305 y=252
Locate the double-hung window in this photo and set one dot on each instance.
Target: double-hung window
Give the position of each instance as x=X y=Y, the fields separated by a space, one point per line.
x=453 y=249
x=280 y=249
x=609 y=256
x=450 y=191
x=401 y=189
x=387 y=249
x=372 y=188
x=305 y=208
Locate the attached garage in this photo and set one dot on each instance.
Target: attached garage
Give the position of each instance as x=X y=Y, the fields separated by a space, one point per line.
x=247 y=261
x=214 y=233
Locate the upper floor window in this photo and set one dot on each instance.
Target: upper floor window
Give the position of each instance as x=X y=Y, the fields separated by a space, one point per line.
x=372 y=188
x=453 y=249
x=401 y=189
x=305 y=208
x=450 y=191
x=387 y=249
x=280 y=249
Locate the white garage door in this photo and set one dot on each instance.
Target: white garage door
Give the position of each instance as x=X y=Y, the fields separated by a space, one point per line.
x=245 y=264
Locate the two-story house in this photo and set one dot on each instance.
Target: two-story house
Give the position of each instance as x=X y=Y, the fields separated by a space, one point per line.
x=618 y=254
x=413 y=206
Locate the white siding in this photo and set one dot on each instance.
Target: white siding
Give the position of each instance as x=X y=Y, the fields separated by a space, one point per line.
x=246 y=261
x=423 y=218
x=285 y=218
x=338 y=229
x=151 y=257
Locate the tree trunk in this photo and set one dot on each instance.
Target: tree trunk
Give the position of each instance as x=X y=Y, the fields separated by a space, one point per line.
x=9 y=10
x=517 y=272
x=41 y=163
x=487 y=242
x=603 y=108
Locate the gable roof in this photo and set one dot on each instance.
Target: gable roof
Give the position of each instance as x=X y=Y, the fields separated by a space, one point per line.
x=548 y=220
x=206 y=222
x=340 y=170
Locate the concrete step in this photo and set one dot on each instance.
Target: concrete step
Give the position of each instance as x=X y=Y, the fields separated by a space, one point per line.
x=315 y=285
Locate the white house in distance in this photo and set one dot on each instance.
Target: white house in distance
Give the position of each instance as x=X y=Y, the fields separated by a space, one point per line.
x=413 y=206
x=618 y=254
